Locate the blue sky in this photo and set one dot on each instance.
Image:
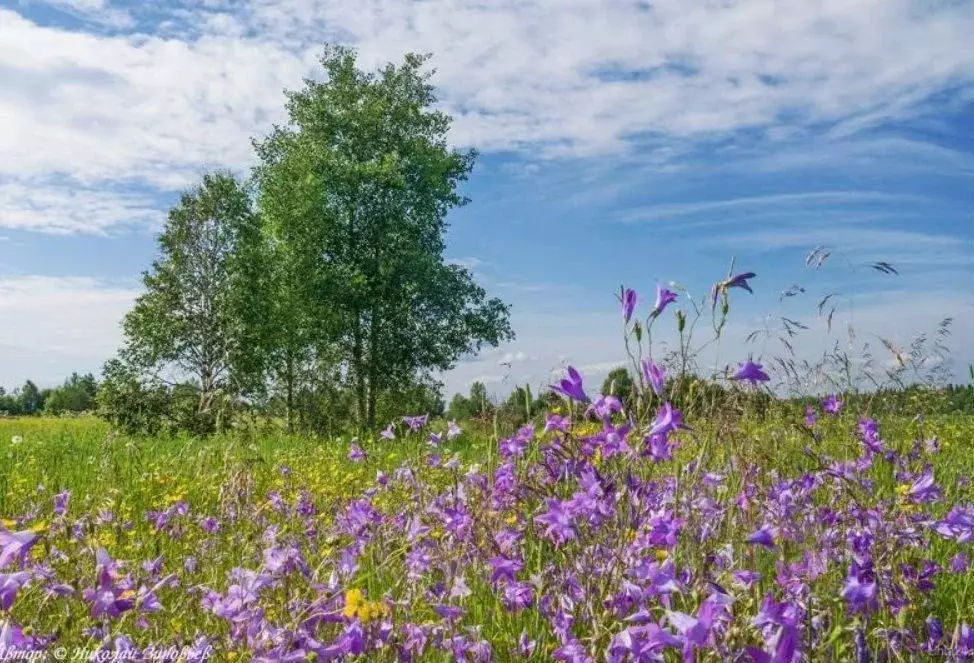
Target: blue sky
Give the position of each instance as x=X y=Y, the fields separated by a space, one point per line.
x=621 y=143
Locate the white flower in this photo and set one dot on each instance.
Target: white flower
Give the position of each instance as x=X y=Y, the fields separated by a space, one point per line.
x=16 y=439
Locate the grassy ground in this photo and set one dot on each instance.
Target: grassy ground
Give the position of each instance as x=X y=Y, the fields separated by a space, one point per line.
x=248 y=482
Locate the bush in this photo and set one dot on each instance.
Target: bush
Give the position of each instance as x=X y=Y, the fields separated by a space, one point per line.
x=129 y=404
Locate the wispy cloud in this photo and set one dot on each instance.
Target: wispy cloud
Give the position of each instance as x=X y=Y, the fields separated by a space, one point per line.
x=902 y=247
x=601 y=367
x=95 y=11
x=517 y=357
x=486 y=379
x=784 y=200
x=876 y=156
x=53 y=323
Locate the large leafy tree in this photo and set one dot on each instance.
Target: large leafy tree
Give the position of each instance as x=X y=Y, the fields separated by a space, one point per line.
x=202 y=317
x=355 y=190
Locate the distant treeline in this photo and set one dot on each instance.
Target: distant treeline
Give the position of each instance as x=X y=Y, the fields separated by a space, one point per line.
x=77 y=394
x=951 y=399
x=703 y=398
x=168 y=405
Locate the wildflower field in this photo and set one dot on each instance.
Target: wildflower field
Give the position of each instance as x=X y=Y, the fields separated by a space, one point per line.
x=824 y=535
x=239 y=268
x=677 y=522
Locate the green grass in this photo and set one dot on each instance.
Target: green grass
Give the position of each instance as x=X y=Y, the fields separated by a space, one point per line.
x=231 y=476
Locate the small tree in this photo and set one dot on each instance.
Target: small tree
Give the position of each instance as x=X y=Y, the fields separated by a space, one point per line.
x=130 y=402
x=200 y=316
x=520 y=406
x=460 y=408
x=619 y=383
x=480 y=403
x=29 y=399
x=8 y=403
x=420 y=397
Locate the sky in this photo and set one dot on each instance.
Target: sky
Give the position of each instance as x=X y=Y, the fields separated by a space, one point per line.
x=621 y=143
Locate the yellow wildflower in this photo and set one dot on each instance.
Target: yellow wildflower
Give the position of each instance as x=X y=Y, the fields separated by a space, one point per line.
x=357 y=606
x=353 y=601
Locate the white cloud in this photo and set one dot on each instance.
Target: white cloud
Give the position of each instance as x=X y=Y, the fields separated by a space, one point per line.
x=57 y=208
x=487 y=379
x=143 y=108
x=58 y=324
x=520 y=73
x=191 y=88
x=80 y=5
x=514 y=358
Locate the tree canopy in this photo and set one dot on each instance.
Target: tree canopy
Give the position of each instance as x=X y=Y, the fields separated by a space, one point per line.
x=201 y=313
x=355 y=192
x=321 y=286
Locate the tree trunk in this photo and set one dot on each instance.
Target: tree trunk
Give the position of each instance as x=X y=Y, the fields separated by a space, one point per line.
x=358 y=369
x=289 y=389
x=373 y=370
x=373 y=395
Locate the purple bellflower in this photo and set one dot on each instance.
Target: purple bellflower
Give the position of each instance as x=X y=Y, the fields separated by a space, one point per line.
x=572 y=386
x=664 y=298
x=629 y=299
x=655 y=376
x=750 y=372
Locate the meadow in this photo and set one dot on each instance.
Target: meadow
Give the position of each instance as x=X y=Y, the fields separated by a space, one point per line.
x=774 y=536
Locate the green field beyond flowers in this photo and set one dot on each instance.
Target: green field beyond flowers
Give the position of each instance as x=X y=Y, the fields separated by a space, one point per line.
x=754 y=541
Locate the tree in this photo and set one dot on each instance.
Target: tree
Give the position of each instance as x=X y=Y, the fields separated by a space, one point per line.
x=520 y=406
x=8 y=402
x=619 y=384
x=131 y=402
x=355 y=191
x=29 y=399
x=303 y=363
x=480 y=403
x=460 y=408
x=420 y=397
x=77 y=394
x=477 y=404
x=201 y=316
